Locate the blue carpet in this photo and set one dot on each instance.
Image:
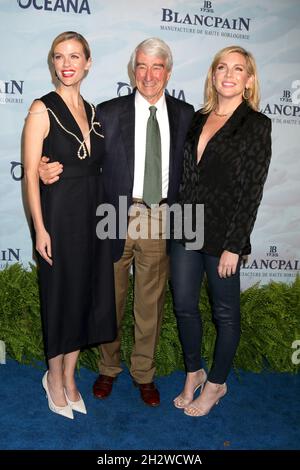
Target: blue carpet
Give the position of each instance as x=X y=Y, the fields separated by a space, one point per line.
x=260 y=411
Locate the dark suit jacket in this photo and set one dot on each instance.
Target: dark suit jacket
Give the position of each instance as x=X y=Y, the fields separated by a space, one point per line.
x=117 y=118
x=229 y=179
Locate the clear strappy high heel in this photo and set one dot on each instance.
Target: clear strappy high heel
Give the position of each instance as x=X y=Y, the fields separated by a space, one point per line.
x=194 y=410
x=180 y=402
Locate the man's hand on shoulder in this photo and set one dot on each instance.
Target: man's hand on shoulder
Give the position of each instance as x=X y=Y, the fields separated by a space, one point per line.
x=49 y=172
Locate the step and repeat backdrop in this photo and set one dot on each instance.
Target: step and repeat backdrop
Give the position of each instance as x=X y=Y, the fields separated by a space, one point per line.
x=195 y=31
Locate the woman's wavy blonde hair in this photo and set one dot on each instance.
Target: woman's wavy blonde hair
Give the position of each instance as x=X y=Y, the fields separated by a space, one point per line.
x=251 y=94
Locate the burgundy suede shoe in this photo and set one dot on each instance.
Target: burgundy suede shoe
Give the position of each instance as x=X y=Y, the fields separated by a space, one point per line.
x=149 y=393
x=103 y=386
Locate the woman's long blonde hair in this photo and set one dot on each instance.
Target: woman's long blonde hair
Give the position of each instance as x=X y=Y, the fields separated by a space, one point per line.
x=251 y=95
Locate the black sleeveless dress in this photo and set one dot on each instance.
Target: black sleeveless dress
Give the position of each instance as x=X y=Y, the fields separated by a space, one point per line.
x=77 y=291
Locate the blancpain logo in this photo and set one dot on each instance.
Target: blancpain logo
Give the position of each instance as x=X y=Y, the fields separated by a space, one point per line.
x=11 y=91
x=209 y=21
x=10 y=254
x=273 y=262
x=285 y=110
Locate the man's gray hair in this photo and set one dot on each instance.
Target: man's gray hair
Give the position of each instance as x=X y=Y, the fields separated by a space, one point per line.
x=153 y=47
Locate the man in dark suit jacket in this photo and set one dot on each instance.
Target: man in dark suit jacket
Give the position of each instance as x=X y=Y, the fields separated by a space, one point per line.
x=124 y=123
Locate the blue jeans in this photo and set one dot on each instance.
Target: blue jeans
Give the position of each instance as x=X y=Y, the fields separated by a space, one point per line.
x=187 y=271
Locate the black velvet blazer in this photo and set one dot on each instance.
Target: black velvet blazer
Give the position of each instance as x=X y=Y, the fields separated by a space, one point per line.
x=229 y=178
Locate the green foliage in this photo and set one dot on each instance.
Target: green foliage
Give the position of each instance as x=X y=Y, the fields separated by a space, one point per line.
x=20 y=324
x=270 y=324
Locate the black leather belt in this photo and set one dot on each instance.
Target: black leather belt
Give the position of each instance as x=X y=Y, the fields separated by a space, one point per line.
x=140 y=201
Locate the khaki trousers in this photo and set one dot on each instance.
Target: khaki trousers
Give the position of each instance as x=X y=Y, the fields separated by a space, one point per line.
x=151 y=265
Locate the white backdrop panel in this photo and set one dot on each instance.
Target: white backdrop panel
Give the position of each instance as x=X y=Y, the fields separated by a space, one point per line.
x=195 y=30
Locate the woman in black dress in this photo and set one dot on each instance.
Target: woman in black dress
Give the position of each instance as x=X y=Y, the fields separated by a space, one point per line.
x=226 y=159
x=75 y=267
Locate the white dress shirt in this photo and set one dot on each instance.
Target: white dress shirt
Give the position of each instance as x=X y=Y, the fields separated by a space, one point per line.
x=142 y=114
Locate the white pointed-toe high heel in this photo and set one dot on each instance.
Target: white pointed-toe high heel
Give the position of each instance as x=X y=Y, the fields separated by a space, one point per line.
x=76 y=405
x=65 y=411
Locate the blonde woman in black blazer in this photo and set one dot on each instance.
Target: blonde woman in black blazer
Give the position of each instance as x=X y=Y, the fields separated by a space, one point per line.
x=226 y=160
